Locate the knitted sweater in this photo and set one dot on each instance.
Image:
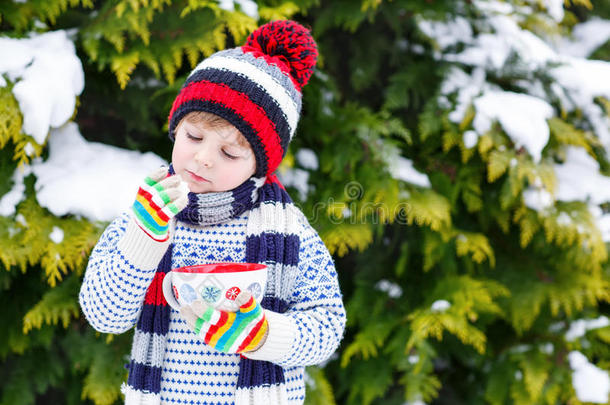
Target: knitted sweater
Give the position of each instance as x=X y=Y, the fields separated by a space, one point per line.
x=123 y=264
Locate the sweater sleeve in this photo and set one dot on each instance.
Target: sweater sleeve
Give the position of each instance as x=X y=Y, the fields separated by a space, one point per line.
x=312 y=328
x=120 y=269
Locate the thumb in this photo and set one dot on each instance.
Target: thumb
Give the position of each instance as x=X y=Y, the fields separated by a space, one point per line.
x=246 y=301
x=159 y=174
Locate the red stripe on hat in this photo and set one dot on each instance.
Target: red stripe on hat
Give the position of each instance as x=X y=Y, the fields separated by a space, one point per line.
x=154 y=294
x=253 y=114
x=154 y=206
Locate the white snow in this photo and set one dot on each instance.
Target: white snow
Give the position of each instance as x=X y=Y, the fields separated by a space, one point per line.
x=249 y=7
x=20 y=219
x=57 y=235
x=494 y=7
x=537 y=199
x=547 y=348
x=590 y=383
x=29 y=149
x=9 y=201
x=555 y=9
x=297 y=178
x=586 y=38
x=447 y=33
x=307 y=158
x=579 y=327
x=577 y=83
x=392 y=289
x=582 y=81
x=90 y=179
x=492 y=50
x=572 y=173
x=416 y=402
x=564 y=219
x=522 y=117
x=440 y=306
x=402 y=169
x=470 y=139
x=48 y=77
x=603 y=223
x=467 y=86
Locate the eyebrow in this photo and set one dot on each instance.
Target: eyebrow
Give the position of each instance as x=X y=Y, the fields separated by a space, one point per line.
x=235 y=141
x=224 y=138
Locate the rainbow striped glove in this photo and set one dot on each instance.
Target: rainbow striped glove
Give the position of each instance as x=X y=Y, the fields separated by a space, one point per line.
x=229 y=332
x=158 y=200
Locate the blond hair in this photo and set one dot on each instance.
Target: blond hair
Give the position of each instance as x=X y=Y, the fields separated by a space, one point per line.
x=216 y=122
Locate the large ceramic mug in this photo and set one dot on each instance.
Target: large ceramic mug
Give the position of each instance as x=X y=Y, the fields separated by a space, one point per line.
x=216 y=284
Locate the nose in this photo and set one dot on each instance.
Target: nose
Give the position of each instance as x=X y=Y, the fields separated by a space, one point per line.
x=203 y=156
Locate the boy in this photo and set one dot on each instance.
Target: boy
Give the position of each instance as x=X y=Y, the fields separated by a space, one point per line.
x=220 y=202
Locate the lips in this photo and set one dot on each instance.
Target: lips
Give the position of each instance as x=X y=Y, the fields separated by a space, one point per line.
x=197 y=178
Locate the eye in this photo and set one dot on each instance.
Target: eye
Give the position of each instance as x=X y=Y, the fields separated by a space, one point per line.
x=229 y=155
x=194 y=138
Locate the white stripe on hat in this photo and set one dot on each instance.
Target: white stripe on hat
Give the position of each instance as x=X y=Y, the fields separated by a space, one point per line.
x=262 y=79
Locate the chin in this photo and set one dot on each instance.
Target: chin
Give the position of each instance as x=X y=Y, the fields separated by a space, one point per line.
x=197 y=190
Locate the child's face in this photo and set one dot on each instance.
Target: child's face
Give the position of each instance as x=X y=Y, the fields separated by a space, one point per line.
x=209 y=159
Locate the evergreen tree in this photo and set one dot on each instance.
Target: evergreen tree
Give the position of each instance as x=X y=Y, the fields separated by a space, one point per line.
x=470 y=273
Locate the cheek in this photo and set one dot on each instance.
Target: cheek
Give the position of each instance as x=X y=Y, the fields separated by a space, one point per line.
x=180 y=156
x=246 y=170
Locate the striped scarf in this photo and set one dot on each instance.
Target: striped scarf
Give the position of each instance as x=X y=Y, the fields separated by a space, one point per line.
x=272 y=239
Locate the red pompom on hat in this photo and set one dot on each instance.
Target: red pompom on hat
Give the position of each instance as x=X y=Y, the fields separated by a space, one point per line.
x=256 y=87
x=288 y=42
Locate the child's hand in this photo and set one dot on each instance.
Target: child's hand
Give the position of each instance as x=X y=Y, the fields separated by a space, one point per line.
x=229 y=332
x=158 y=200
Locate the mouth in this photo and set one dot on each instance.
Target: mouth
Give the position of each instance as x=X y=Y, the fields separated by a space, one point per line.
x=197 y=178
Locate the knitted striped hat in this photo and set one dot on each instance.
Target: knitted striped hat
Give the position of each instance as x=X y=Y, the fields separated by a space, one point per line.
x=256 y=87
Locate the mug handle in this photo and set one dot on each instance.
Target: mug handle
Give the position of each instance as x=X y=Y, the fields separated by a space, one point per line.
x=168 y=293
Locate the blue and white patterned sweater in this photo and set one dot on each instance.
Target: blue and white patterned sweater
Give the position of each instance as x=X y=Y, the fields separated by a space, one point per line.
x=123 y=264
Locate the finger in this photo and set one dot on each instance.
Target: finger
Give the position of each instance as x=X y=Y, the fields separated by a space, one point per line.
x=181 y=188
x=181 y=202
x=159 y=174
x=206 y=312
x=169 y=182
x=246 y=301
x=199 y=308
x=184 y=187
x=171 y=210
x=173 y=193
x=189 y=316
